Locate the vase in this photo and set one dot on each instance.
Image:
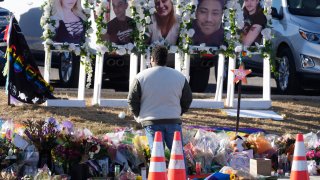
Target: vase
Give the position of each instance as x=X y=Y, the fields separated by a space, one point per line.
x=45 y=157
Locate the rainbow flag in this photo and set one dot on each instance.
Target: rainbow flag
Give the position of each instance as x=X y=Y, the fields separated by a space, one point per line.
x=25 y=82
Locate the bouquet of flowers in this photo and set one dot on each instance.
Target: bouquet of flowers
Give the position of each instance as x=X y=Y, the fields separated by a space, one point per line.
x=314 y=154
x=43 y=134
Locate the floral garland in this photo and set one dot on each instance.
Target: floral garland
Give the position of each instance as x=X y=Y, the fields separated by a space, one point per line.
x=141 y=11
x=49 y=25
x=233 y=24
x=102 y=45
x=187 y=11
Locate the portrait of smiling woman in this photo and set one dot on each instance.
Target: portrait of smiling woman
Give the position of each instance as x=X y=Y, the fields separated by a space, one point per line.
x=207 y=24
x=254 y=22
x=69 y=15
x=165 y=23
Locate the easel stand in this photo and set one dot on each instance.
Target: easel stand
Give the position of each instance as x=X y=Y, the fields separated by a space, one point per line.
x=250 y=103
x=80 y=101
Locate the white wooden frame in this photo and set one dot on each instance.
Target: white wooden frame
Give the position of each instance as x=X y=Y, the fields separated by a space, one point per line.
x=96 y=100
x=250 y=103
x=215 y=103
x=80 y=101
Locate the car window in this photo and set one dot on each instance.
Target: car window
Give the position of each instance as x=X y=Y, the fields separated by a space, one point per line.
x=304 y=7
x=277 y=4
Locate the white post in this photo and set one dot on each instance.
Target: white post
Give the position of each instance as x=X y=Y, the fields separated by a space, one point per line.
x=266 y=79
x=143 y=62
x=230 y=89
x=98 y=79
x=177 y=61
x=82 y=77
x=187 y=66
x=219 y=87
x=47 y=64
x=133 y=67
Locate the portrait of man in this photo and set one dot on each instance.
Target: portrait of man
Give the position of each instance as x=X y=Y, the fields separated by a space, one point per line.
x=208 y=23
x=120 y=28
x=255 y=21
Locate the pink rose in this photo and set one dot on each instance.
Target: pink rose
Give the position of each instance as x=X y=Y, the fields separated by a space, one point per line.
x=310 y=154
x=317 y=155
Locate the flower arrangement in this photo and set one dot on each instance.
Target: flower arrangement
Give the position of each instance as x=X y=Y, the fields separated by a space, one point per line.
x=49 y=25
x=233 y=24
x=186 y=10
x=141 y=12
x=314 y=154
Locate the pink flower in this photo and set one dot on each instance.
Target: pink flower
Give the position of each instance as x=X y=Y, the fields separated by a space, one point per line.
x=317 y=155
x=310 y=154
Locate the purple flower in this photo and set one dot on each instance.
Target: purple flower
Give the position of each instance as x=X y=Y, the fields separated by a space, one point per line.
x=68 y=125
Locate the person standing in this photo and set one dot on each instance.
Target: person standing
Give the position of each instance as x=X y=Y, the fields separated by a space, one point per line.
x=207 y=24
x=254 y=20
x=70 y=16
x=158 y=97
x=120 y=28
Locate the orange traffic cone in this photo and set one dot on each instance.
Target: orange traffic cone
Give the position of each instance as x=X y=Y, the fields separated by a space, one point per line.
x=177 y=170
x=299 y=170
x=157 y=169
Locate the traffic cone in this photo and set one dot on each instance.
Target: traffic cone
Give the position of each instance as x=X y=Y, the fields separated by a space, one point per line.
x=177 y=170
x=299 y=170
x=157 y=169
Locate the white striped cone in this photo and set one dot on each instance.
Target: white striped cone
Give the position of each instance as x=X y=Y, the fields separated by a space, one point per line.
x=157 y=168
x=176 y=168
x=299 y=170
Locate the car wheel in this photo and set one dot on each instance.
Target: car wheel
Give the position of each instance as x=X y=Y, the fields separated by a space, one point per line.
x=199 y=79
x=69 y=69
x=287 y=82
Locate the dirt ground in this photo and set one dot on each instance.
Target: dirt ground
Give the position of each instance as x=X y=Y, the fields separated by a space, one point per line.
x=301 y=114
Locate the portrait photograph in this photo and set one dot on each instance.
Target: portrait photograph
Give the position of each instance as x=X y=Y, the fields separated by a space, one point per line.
x=70 y=18
x=208 y=25
x=165 y=23
x=254 y=22
x=120 y=28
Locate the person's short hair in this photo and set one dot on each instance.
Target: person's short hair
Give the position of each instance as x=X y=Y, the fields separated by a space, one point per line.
x=222 y=2
x=160 y=55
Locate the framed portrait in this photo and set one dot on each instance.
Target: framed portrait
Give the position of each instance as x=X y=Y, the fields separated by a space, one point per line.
x=165 y=23
x=254 y=22
x=207 y=25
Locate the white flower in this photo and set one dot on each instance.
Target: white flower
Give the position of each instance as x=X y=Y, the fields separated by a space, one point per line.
x=191 y=32
x=87 y=11
x=148 y=20
x=77 y=51
x=90 y=30
x=47 y=8
x=43 y=21
x=152 y=10
x=130 y=46
x=72 y=47
x=266 y=33
x=194 y=2
x=223 y=47
x=238 y=49
x=173 y=49
x=103 y=31
x=228 y=36
x=193 y=15
x=240 y=24
x=48 y=41
x=45 y=34
x=121 y=51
